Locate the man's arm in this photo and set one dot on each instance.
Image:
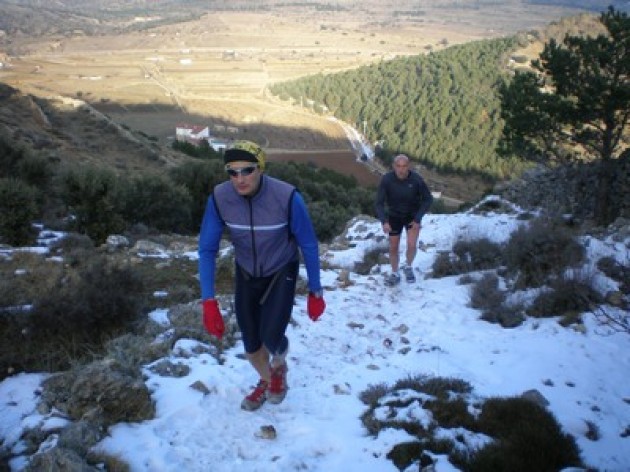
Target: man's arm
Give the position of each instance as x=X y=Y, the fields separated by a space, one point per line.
x=302 y=229
x=209 y=239
x=380 y=201
x=426 y=199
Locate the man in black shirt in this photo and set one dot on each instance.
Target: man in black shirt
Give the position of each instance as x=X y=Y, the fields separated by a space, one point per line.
x=402 y=200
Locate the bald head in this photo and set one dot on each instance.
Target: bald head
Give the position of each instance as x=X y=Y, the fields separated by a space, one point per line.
x=401 y=158
x=401 y=166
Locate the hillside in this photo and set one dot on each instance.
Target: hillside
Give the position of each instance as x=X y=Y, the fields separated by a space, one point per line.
x=386 y=380
x=132 y=71
x=71 y=132
x=443 y=109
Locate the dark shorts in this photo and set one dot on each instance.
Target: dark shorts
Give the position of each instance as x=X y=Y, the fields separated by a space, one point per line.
x=397 y=223
x=263 y=308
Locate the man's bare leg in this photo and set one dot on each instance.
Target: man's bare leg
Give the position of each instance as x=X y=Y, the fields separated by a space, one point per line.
x=412 y=243
x=394 y=258
x=260 y=361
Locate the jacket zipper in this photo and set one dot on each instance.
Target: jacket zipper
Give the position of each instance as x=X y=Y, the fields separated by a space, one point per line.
x=253 y=235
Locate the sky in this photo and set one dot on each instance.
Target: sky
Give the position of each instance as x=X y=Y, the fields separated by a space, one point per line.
x=360 y=342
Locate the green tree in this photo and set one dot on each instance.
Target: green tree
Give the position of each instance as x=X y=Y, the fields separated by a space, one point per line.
x=199 y=178
x=17 y=211
x=159 y=203
x=95 y=198
x=577 y=102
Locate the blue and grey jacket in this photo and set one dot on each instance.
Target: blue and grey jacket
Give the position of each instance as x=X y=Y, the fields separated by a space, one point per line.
x=266 y=230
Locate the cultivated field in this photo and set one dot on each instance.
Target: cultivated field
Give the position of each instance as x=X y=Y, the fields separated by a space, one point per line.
x=216 y=70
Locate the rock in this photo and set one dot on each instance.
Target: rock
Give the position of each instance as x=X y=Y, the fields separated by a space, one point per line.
x=116 y=242
x=100 y=390
x=148 y=248
x=615 y=298
x=200 y=387
x=80 y=437
x=58 y=459
x=266 y=432
x=536 y=397
x=121 y=397
x=166 y=368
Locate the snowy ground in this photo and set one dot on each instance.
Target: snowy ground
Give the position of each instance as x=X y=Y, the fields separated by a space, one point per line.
x=360 y=341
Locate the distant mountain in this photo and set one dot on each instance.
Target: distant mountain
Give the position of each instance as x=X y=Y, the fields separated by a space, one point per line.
x=37 y=18
x=594 y=5
x=21 y=19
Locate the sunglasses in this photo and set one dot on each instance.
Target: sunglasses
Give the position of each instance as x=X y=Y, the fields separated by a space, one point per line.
x=244 y=171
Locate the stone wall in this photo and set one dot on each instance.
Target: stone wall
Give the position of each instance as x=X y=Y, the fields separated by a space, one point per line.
x=570 y=190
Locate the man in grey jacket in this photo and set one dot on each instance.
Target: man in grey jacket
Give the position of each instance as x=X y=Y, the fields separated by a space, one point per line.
x=267 y=222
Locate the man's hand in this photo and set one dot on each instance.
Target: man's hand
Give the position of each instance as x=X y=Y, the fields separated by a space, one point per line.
x=315 y=305
x=387 y=228
x=212 y=319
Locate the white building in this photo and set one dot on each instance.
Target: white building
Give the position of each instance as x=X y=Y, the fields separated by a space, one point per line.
x=192 y=133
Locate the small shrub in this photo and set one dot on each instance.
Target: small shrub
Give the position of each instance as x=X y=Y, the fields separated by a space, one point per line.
x=505 y=315
x=199 y=178
x=12 y=360
x=373 y=394
x=439 y=387
x=619 y=273
x=25 y=276
x=468 y=256
x=480 y=254
x=158 y=203
x=443 y=265
x=405 y=454
x=523 y=435
x=177 y=278
x=35 y=171
x=466 y=279
x=74 y=247
x=488 y=297
x=486 y=293
x=79 y=315
x=527 y=437
x=328 y=220
x=451 y=413
x=567 y=297
x=95 y=197
x=18 y=209
x=71 y=242
x=541 y=251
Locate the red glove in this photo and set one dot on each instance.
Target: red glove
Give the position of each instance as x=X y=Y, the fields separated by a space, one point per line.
x=212 y=319
x=315 y=306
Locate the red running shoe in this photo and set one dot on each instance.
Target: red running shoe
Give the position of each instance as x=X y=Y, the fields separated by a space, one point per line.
x=278 y=385
x=254 y=400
